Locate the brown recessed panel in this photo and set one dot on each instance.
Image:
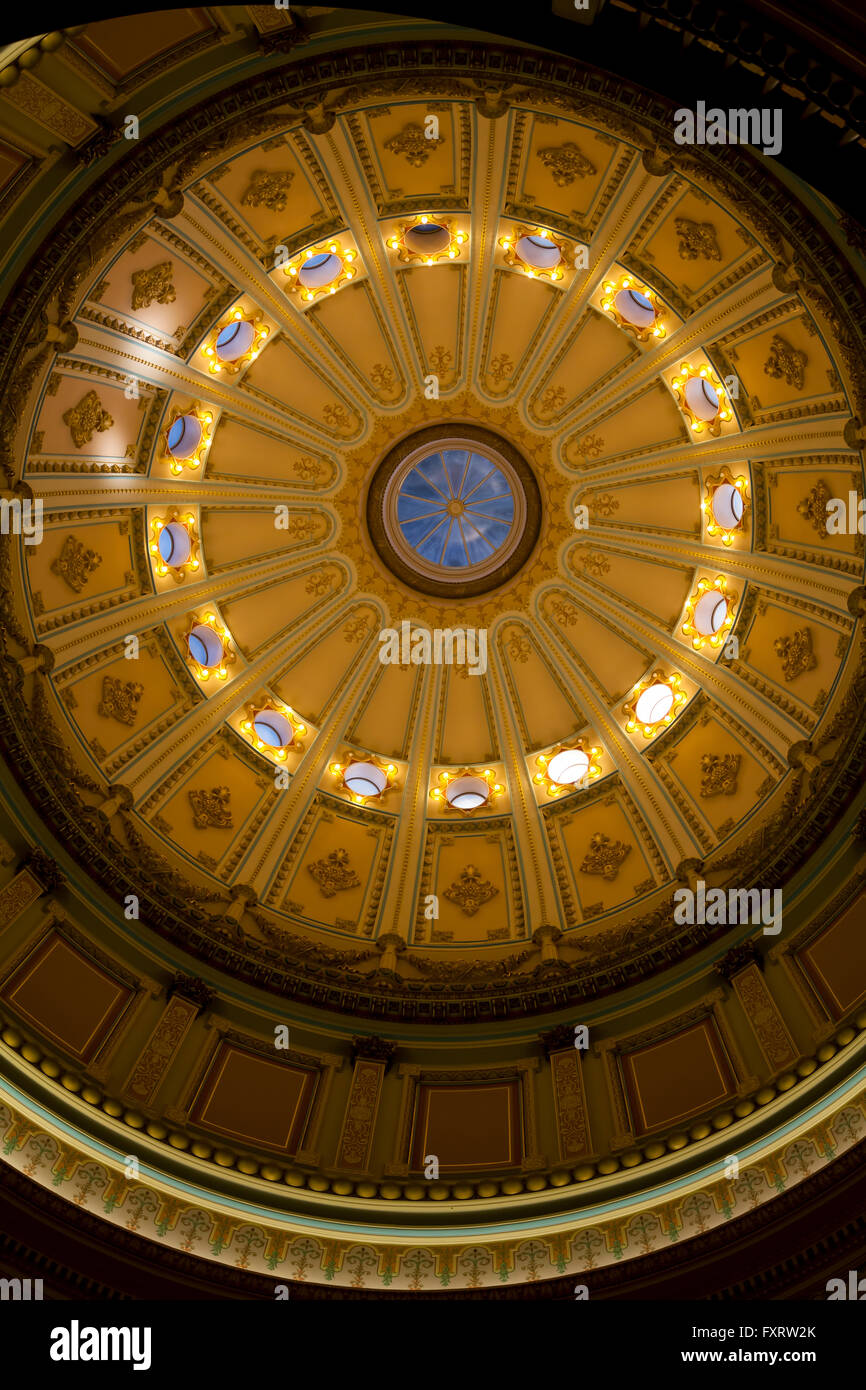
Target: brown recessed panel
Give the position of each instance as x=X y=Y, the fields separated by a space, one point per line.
x=677 y=1076
x=66 y=996
x=255 y=1099
x=118 y=47
x=468 y=1127
x=835 y=961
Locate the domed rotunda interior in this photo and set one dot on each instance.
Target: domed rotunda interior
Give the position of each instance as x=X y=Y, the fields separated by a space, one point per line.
x=432 y=662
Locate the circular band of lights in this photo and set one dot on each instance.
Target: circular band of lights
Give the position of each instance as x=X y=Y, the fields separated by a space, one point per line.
x=365 y=779
x=535 y=251
x=701 y=398
x=635 y=308
x=654 y=702
x=466 y=790
x=568 y=767
x=427 y=238
x=319 y=270
x=538 y=251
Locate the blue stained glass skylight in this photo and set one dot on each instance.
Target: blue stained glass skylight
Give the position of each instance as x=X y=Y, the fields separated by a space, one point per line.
x=455 y=508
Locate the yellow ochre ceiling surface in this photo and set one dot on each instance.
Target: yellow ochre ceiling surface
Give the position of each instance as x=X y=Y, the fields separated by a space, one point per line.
x=263 y=867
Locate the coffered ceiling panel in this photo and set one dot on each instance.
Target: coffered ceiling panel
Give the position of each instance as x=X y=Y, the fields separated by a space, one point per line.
x=405 y=159
x=241 y=451
x=286 y=377
x=543 y=702
x=334 y=875
x=694 y=244
x=559 y=167
x=467 y=727
x=271 y=192
x=593 y=352
x=435 y=305
x=313 y=678
x=602 y=859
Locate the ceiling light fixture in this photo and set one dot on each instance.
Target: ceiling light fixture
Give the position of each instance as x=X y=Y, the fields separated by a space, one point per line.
x=319 y=270
x=237 y=343
x=187 y=439
x=568 y=767
x=728 y=506
x=634 y=307
x=273 y=729
x=365 y=779
x=467 y=793
x=174 y=545
x=536 y=251
x=702 y=398
x=709 y=613
x=209 y=646
x=427 y=240
x=724 y=506
x=467 y=790
x=654 y=702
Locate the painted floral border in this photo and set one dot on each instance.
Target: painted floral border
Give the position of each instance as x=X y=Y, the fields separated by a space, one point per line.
x=288 y=1252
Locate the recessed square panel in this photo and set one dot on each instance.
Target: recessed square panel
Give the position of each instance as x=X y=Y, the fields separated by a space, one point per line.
x=677 y=1077
x=119 y=47
x=468 y=1127
x=67 y=996
x=836 y=961
x=253 y=1099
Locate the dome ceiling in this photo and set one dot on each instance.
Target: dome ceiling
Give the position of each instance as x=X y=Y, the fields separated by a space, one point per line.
x=435 y=581
x=681 y=360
